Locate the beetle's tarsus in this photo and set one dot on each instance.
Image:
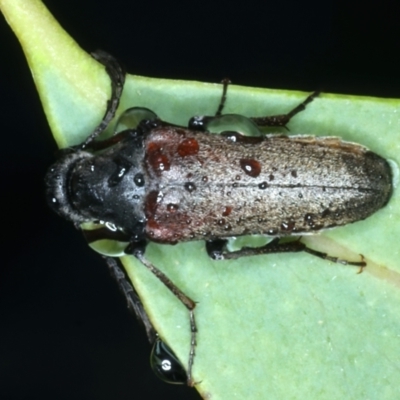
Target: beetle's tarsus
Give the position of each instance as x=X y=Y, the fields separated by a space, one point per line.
x=216 y=250
x=282 y=120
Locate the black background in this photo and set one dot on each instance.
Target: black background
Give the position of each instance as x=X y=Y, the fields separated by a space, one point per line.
x=65 y=332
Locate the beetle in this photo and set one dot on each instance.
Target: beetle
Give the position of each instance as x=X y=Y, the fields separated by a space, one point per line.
x=166 y=183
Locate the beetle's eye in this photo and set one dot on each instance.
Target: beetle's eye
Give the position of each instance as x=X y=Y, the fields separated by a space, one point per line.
x=166 y=365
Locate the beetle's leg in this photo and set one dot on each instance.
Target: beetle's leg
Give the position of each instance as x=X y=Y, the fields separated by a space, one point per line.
x=117 y=76
x=163 y=361
x=131 y=296
x=362 y=264
x=137 y=250
x=216 y=249
x=96 y=145
x=283 y=119
x=200 y=122
x=225 y=82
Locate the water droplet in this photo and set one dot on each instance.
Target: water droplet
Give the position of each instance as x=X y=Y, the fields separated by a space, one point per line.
x=226 y=211
x=158 y=161
x=111 y=226
x=287 y=226
x=251 y=167
x=309 y=219
x=263 y=185
x=139 y=179
x=172 y=207
x=190 y=187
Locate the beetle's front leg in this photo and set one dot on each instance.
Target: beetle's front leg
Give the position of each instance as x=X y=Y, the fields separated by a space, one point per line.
x=132 y=298
x=117 y=76
x=216 y=249
x=137 y=249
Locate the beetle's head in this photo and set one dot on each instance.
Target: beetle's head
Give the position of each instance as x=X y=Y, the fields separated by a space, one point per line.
x=58 y=189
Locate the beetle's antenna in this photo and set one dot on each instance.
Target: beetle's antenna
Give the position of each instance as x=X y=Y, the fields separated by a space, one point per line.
x=117 y=76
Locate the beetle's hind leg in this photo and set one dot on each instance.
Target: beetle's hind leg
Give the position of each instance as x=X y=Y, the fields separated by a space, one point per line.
x=217 y=250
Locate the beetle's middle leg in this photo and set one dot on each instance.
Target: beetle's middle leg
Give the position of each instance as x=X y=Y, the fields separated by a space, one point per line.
x=225 y=82
x=217 y=250
x=283 y=119
x=176 y=372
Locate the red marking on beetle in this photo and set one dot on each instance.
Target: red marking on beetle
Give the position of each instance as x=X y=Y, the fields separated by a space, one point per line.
x=250 y=167
x=152 y=224
x=227 y=211
x=287 y=226
x=151 y=203
x=157 y=160
x=188 y=147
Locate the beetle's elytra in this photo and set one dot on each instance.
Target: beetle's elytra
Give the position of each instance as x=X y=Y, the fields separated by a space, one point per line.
x=165 y=183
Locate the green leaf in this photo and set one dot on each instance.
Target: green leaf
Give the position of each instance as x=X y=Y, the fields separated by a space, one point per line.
x=278 y=326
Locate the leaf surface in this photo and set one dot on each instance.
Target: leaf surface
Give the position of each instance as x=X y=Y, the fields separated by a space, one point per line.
x=283 y=326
